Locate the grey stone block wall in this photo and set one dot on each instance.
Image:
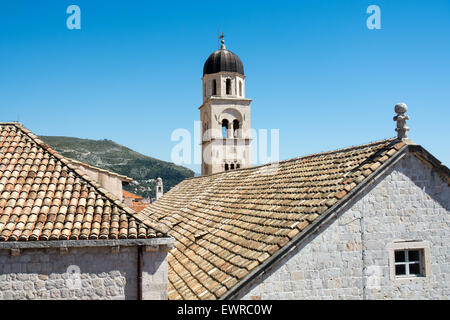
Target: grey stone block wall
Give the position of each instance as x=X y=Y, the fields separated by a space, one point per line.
x=81 y=273
x=155 y=276
x=349 y=257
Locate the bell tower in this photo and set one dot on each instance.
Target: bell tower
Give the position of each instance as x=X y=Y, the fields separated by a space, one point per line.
x=224 y=114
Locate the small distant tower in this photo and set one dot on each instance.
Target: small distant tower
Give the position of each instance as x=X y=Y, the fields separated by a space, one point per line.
x=224 y=114
x=159 y=188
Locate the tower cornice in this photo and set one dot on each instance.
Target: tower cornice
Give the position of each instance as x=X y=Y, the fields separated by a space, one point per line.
x=228 y=73
x=225 y=100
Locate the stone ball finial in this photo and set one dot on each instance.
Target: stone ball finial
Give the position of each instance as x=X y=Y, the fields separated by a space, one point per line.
x=401 y=108
x=400 y=118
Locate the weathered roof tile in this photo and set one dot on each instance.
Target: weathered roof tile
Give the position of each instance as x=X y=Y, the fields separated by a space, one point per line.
x=44 y=197
x=227 y=224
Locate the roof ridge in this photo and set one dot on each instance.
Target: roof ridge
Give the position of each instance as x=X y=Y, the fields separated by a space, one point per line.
x=300 y=157
x=251 y=216
x=113 y=199
x=322 y=219
x=11 y=123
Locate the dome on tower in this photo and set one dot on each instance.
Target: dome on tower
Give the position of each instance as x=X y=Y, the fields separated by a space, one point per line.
x=223 y=60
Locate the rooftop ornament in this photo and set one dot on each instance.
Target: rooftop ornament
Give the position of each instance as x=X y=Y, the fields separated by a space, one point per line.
x=222 y=41
x=401 y=117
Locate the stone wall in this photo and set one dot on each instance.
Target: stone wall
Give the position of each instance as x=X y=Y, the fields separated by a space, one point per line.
x=349 y=257
x=81 y=273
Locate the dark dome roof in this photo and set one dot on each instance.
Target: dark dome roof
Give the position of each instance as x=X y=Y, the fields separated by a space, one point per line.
x=223 y=60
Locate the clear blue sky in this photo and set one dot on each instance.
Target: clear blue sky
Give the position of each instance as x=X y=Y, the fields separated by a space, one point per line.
x=314 y=70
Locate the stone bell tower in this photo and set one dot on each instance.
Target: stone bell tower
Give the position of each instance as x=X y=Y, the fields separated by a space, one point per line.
x=224 y=114
x=159 y=188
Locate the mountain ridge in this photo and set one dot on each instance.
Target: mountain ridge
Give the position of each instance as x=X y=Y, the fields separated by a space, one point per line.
x=109 y=155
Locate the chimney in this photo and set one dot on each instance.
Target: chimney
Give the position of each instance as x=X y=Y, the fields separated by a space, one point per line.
x=402 y=129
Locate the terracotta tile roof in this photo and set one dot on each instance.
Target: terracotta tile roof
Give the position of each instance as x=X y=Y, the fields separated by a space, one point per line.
x=136 y=205
x=227 y=224
x=139 y=206
x=130 y=195
x=44 y=197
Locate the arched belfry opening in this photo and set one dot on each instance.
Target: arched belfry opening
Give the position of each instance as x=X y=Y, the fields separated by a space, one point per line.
x=236 y=129
x=226 y=112
x=224 y=128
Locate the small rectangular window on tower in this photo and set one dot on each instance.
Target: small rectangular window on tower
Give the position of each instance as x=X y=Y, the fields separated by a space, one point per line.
x=228 y=85
x=214 y=87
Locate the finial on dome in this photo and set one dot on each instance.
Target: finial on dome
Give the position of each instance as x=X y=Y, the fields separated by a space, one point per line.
x=402 y=129
x=222 y=41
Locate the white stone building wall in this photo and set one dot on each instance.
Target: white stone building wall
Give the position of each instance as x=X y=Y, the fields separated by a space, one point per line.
x=349 y=257
x=110 y=182
x=103 y=274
